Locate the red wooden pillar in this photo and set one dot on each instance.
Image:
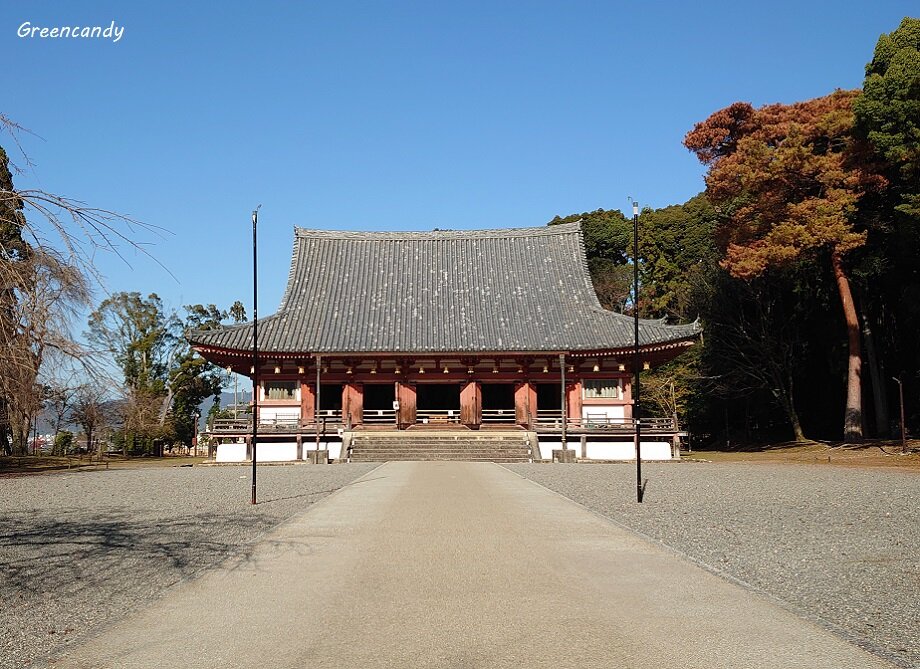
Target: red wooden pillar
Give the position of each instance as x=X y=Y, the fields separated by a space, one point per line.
x=307 y=402
x=405 y=395
x=573 y=394
x=525 y=403
x=471 y=404
x=353 y=403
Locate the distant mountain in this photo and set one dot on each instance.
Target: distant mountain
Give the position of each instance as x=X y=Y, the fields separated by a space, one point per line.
x=226 y=400
x=46 y=419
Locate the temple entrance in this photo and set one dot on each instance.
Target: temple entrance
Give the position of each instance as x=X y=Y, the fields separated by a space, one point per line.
x=549 y=402
x=378 y=403
x=497 y=403
x=330 y=401
x=438 y=403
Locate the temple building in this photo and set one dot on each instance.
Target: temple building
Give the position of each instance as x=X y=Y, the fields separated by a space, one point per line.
x=386 y=337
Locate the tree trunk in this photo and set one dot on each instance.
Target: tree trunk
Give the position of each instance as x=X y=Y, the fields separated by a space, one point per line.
x=792 y=414
x=164 y=407
x=21 y=437
x=797 y=432
x=852 y=422
x=876 y=374
x=784 y=395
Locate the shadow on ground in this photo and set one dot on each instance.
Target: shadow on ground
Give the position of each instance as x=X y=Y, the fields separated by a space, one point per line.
x=70 y=552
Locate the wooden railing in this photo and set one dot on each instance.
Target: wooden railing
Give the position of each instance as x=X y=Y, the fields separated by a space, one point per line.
x=551 y=416
x=274 y=424
x=437 y=416
x=231 y=425
x=379 y=416
x=547 y=419
x=552 y=419
x=647 y=424
x=237 y=425
x=331 y=415
x=493 y=416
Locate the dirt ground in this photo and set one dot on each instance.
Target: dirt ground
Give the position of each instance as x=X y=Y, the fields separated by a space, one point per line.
x=868 y=454
x=37 y=464
x=871 y=453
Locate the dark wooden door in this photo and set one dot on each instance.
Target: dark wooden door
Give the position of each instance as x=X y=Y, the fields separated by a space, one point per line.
x=471 y=403
x=406 y=396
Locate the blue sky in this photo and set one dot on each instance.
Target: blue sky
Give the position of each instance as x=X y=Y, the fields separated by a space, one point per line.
x=391 y=116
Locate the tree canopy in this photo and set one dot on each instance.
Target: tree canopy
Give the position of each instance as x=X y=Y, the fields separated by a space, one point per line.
x=39 y=293
x=165 y=379
x=676 y=248
x=607 y=235
x=810 y=211
x=783 y=178
x=888 y=111
x=787 y=184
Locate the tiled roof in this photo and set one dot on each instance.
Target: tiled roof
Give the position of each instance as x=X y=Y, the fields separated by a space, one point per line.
x=524 y=289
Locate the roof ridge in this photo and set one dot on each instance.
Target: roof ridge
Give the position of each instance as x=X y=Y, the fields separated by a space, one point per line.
x=644 y=321
x=292 y=271
x=536 y=231
x=229 y=327
x=594 y=301
x=512 y=289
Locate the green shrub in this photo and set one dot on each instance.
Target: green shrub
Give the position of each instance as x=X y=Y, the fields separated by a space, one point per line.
x=63 y=442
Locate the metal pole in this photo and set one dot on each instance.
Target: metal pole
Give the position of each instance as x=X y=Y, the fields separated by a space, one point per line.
x=319 y=361
x=255 y=349
x=562 y=394
x=636 y=357
x=903 y=430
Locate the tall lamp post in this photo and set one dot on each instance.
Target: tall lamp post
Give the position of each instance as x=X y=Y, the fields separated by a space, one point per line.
x=197 y=416
x=903 y=430
x=636 y=357
x=255 y=348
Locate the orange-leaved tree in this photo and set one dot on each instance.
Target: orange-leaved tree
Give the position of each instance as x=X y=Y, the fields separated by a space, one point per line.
x=786 y=182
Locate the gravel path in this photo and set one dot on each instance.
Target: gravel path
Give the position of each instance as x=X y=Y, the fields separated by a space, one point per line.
x=839 y=545
x=79 y=550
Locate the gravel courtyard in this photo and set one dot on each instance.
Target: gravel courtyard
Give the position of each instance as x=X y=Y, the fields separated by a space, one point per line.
x=839 y=545
x=79 y=550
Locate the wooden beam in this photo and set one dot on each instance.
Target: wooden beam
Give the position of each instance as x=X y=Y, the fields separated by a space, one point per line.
x=307 y=401
x=525 y=403
x=471 y=403
x=573 y=394
x=353 y=402
x=406 y=396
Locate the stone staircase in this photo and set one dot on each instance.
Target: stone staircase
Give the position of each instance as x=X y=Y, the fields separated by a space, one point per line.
x=438 y=445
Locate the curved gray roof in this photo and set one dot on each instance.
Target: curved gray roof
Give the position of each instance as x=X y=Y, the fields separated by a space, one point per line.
x=523 y=289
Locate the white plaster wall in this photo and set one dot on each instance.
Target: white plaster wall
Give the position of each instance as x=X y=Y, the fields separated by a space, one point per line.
x=609 y=450
x=547 y=447
x=276 y=451
x=626 y=450
x=611 y=411
x=334 y=446
x=231 y=453
x=269 y=414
